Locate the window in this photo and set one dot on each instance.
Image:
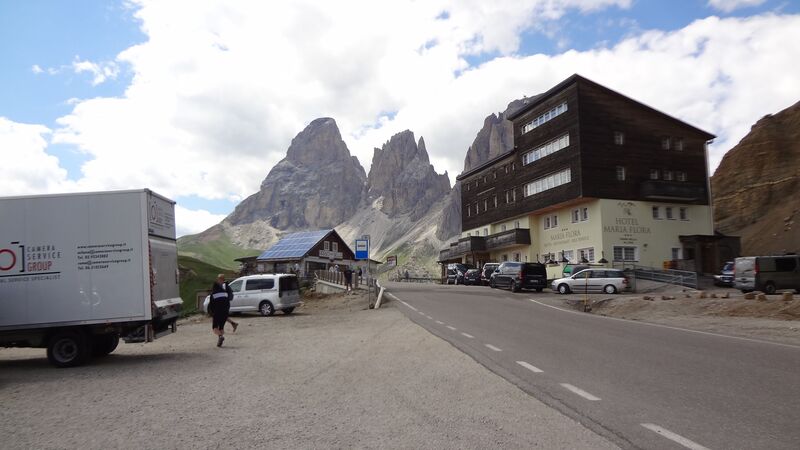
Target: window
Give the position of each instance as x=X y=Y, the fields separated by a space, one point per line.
x=494 y=200
x=469 y=234
x=516 y=257
x=476 y=209
x=669 y=215
x=546 y=117
x=549 y=257
x=682 y=213
x=549 y=182
x=513 y=166
x=584 y=214
x=785 y=264
x=236 y=286
x=576 y=215
x=326 y=245
x=486 y=205
x=469 y=211
x=665 y=143
x=494 y=174
x=516 y=224
x=335 y=246
x=656 y=214
x=258 y=284
x=586 y=254
x=619 y=138
x=503 y=227
x=653 y=174
x=680 y=176
x=668 y=175
x=679 y=144
x=546 y=149
x=620 y=173
x=676 y=254
x=569 y=255
x=624 y=253
x=550 y=222
x=504 y=258
x=485 y=231
x=467 y=187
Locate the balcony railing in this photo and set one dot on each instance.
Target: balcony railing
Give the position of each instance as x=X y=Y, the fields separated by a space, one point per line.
x=671 y=190
x=509 y=238
x=473 y=244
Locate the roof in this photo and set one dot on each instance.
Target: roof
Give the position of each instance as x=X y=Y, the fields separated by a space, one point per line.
x=578 y=78
x=294 y=246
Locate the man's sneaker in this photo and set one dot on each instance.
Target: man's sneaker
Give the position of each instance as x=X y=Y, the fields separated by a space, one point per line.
x=219 y=341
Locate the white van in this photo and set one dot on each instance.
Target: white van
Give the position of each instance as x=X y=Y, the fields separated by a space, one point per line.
x=767 y=273
x=264 y=293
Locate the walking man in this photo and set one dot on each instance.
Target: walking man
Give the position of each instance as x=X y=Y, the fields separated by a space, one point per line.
x=221 y=296
x=348 y=278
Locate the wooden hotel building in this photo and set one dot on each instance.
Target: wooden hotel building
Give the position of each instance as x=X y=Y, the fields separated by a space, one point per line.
x=593 y=175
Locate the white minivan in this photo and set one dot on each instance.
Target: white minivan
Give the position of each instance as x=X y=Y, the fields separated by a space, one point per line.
x=265 y=293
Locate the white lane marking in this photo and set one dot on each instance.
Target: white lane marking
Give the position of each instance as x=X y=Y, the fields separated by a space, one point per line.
x=440 y=322
x=429 y=317
x=674 y=437
x=492 y=347
x=580 y=392
x=404 y=303
x=452 y=328
x=421 y=313
x=468 y=335
x=658 y=325
x=533 y=369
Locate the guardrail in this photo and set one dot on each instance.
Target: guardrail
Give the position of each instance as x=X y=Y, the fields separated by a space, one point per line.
x=667 y=276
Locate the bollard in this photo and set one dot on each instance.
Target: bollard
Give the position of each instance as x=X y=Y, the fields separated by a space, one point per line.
x=749 y=295
x=761 y=297
x=787 y=297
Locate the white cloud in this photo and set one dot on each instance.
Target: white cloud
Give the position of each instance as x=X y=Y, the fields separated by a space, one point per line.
x=100 y=72
x=36 y=69
x=732 y=5
x=220 y=89
x=27 y=168
x=194 y=221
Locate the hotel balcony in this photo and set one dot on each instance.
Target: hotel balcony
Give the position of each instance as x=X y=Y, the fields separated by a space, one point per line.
x=482 y=244
x=672 y=190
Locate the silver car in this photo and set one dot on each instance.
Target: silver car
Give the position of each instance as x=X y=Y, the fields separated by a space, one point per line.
x=264 y=293
x=609 y=281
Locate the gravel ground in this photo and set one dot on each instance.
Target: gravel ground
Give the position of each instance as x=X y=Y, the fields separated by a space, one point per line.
x=333 y=375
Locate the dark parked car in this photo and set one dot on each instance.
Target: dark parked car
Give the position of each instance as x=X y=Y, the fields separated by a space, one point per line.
x=725 y=276
x=456 y=271
x=519 y=275
x=472 y=276
x=487 y=271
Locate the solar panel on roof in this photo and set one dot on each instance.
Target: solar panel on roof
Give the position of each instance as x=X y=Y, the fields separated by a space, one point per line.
x=294 y=245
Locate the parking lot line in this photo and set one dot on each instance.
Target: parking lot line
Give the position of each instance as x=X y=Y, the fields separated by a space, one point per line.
x=468 y=335
x=452 y=328
x=492 y=347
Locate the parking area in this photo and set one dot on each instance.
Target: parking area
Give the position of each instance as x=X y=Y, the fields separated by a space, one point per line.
x=332 y=375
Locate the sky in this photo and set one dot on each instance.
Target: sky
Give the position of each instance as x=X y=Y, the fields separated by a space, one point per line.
x=198 y=100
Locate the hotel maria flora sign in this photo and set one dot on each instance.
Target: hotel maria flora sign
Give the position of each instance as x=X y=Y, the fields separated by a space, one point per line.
x=627 y=223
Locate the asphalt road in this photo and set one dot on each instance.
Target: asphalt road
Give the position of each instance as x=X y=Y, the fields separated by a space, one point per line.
x=640 y=385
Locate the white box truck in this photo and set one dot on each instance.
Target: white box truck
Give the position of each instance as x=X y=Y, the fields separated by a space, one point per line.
x=80 y=271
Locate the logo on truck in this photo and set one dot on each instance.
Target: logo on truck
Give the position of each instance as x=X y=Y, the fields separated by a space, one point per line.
x=19 y=259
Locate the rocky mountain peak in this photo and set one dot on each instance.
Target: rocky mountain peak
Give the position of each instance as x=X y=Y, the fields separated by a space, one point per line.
x=318 y=185
x=401 y=173
x=318 y=145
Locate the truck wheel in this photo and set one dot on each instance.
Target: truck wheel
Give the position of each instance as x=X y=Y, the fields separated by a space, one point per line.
x=266 y=309
x=288 y=310
x=104 y=344
x=769 y=288
x=68 y=349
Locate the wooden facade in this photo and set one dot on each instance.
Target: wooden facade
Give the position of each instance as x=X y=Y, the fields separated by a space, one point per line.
x=494 y=191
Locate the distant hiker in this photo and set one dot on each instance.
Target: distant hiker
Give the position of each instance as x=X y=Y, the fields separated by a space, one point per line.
x=348 y=279
x=359 y=273
x=406 y=275
x=220 y=303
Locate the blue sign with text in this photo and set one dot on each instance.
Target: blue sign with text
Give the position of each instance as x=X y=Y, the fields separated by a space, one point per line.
x=362 y=249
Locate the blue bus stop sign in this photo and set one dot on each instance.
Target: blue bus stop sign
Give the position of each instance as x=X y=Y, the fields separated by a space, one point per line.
x=362 y=249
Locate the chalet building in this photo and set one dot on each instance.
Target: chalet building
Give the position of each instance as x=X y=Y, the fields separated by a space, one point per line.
x=594 y=175
x=302 y=252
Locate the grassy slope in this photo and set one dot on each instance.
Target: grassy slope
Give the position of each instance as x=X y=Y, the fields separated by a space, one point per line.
x=197 y=275
x=220 y=252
